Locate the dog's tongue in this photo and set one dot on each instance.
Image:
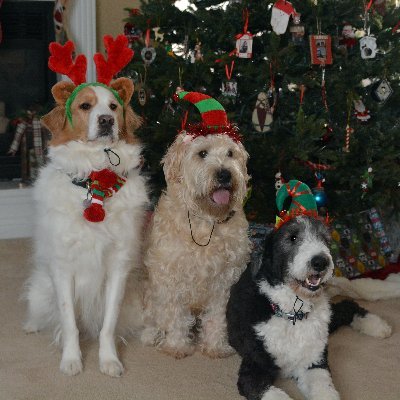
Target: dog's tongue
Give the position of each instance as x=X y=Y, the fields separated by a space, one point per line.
x=221 y=196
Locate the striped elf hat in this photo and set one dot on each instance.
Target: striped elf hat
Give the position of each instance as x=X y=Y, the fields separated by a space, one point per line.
x=213 y=115
x=302 y=202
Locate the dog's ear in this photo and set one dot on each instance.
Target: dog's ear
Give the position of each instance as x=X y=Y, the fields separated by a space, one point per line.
x=124 y=87
x=132 y=122
x=172 y=160
x=54 y=121
x=61 y=91
x=271 y=268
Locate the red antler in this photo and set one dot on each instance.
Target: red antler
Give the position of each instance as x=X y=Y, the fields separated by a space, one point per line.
x=61 y=61
x=118 y=56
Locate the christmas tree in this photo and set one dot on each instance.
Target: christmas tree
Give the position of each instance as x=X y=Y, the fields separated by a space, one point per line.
x=333 y=122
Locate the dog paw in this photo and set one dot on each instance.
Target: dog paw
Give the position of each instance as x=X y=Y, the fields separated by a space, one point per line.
x=372 y=325
x=112 y=367
x=30 y=327
x=273 y=393
x=71 y=366
x=218 y=352
x=151 y=336
x=330 y=394
x=177 y=352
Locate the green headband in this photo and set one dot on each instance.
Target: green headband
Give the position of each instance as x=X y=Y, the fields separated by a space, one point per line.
x=82 y=86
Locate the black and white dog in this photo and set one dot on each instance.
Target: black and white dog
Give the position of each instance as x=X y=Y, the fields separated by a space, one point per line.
x=279 y=317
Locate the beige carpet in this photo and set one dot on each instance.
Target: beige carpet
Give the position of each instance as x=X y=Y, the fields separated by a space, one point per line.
x=363 y=368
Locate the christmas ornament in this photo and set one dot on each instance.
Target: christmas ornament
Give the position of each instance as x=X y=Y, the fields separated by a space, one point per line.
x=349 y=132
x=361 y=112
x=368 y=47
x=281 y=12
x=262 y=116
x=382 y=91
x=168 y=49
x=321 y=51
x=244 y=41
x=158 y=36
x=132 y=33
x=142 y=94
x=148 y=53
x=229 y=87
x=198 y=55
x=380 y=6
x=319 y=192
x=59 y=16
x=366 y=181
x=279 y=181
x=297 y=30
x=348 y=37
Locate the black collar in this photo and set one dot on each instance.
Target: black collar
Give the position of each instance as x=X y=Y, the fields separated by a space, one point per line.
x=230 y=215
x=81 y=183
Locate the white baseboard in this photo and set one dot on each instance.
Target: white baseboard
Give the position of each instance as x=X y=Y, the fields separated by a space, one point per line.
x=16 y=213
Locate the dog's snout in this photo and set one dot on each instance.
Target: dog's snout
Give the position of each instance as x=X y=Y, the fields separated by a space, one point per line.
x=224 y=176
x=320 y=262
x=106 y=120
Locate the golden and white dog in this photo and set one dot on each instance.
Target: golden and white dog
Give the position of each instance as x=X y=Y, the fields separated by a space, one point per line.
x=197 y=245
x=81 y=267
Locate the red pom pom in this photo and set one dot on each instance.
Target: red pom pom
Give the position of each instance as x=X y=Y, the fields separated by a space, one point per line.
x=105 y=177
x=94 y=213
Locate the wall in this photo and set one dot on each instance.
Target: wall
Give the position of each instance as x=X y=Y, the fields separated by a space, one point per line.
x=110 y=15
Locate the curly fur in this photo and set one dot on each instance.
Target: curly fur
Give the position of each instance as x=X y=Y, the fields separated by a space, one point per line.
x=271 y=345
x=188 y=282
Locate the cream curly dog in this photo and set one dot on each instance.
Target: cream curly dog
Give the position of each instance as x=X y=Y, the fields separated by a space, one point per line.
x=197 y=245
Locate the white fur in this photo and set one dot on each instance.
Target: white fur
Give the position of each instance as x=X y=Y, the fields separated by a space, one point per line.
x=316 y=384
x=372 y=325
x=366 y=288
x=310 y=246
x=81 y=267
x=104 y=98
x=295 y=348
x=274 y=393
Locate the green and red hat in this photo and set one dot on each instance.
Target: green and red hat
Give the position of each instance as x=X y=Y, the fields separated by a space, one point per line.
x=213 y=115
x=302 y=202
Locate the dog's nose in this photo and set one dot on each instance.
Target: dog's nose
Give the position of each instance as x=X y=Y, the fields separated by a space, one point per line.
x=224 y=176
x=106 y=121
x=320 y=262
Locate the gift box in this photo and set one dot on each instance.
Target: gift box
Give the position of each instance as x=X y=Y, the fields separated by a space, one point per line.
x=359 y=244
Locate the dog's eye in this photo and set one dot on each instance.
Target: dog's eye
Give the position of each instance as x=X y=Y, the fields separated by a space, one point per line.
x=203 y=153
x=113 y=106
x=85 y=106
x=230 y=153
x=293 y=238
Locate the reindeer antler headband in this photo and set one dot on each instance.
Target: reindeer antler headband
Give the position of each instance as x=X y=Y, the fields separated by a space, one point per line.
x=61 y=61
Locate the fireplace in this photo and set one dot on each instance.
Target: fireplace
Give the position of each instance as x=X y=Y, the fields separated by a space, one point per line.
x=25 y=79
x=27 y=31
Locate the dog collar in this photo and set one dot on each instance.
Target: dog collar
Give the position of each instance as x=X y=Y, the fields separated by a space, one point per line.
x=294 y=316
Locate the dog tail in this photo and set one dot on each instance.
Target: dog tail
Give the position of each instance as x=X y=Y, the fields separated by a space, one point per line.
x=348 y=312
x=365 y=288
